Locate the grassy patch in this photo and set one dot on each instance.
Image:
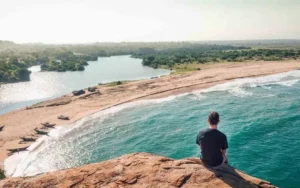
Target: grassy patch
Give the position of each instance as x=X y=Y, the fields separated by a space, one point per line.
x=116 y=83
x=183 y=68
x=181 y=71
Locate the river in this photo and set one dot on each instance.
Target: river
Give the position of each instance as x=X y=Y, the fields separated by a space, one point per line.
x=47 y=85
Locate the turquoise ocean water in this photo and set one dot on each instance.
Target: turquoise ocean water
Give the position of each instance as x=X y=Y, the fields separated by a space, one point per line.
x=260 y=116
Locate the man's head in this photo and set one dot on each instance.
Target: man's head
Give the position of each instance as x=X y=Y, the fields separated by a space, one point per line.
x=213 y=119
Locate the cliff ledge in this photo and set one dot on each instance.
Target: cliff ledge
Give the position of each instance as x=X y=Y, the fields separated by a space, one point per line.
x=140 y=170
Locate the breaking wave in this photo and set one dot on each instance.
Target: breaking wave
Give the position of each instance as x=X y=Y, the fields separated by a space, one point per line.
x=39 y=158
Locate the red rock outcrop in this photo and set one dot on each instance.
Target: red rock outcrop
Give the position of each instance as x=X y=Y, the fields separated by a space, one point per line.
x=140 y=170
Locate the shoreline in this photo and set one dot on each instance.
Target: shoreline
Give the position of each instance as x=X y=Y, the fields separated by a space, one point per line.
x=111 y=96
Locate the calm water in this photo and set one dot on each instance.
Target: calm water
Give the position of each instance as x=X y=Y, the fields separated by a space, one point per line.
x=45 y=85
x=261 y=118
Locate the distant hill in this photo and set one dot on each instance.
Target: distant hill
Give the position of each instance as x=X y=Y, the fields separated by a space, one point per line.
x=129 y=47
x=4 y=45
x=267 y=43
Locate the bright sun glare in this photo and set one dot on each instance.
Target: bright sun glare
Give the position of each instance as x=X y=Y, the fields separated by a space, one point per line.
x=54 y=21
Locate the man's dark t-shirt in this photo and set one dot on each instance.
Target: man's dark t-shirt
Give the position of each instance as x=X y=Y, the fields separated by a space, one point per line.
x=211 y=142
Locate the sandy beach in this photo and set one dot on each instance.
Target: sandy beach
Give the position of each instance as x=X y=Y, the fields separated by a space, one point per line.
x=22 y=122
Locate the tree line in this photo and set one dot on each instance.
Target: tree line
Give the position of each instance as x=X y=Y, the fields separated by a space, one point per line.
x=14 y=64
x=15 y=59
x=170 y=58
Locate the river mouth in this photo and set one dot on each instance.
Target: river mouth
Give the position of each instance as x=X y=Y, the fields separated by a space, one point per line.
x=48 y=85
x=258 y=115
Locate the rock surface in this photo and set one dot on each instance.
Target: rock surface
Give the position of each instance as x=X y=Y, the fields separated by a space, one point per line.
x=141 y=170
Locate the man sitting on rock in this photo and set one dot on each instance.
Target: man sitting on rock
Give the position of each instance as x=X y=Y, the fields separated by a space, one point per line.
x=213 y=143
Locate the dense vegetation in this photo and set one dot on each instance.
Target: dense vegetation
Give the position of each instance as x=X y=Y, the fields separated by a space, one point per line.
x=170 y=58
x=13 y=71
x=16 y=58
x=14 y=63
x=65 y=61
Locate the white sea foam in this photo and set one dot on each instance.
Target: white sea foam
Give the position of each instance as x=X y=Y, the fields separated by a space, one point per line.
x=197 y=96
x=239 y=87
x=18 y=162
x=288 y=83
x=21 y=164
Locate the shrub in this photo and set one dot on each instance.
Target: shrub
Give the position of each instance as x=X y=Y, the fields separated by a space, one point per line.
x=2 y=175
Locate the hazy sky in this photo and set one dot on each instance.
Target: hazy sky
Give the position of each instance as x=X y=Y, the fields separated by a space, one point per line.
x=73 y=21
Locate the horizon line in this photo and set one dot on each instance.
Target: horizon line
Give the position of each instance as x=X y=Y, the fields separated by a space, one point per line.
x=171 y=41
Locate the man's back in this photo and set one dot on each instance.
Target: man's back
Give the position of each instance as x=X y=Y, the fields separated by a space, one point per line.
x=212 y=141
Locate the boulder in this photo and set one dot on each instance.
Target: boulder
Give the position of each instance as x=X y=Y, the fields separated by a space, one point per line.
x=79 y=92
x=92 y=89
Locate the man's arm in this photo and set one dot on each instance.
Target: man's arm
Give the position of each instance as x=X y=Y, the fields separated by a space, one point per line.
x=225 y=155
x=224 y=152
x=224 y=148
x=198 y=141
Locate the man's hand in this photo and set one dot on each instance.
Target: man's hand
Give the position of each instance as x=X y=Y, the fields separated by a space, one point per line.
x=225 y=155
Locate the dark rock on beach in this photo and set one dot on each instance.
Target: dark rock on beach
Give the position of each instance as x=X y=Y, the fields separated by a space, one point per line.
x=79 y=92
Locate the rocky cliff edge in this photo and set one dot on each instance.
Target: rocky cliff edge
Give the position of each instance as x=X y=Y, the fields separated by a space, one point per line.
x=140 y=170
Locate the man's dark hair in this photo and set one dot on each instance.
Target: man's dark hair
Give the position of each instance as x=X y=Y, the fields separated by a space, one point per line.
x=214 y=118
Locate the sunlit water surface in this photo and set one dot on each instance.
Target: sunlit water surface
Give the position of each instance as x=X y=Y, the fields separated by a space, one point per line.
x=260 y=116
x=46 y=85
